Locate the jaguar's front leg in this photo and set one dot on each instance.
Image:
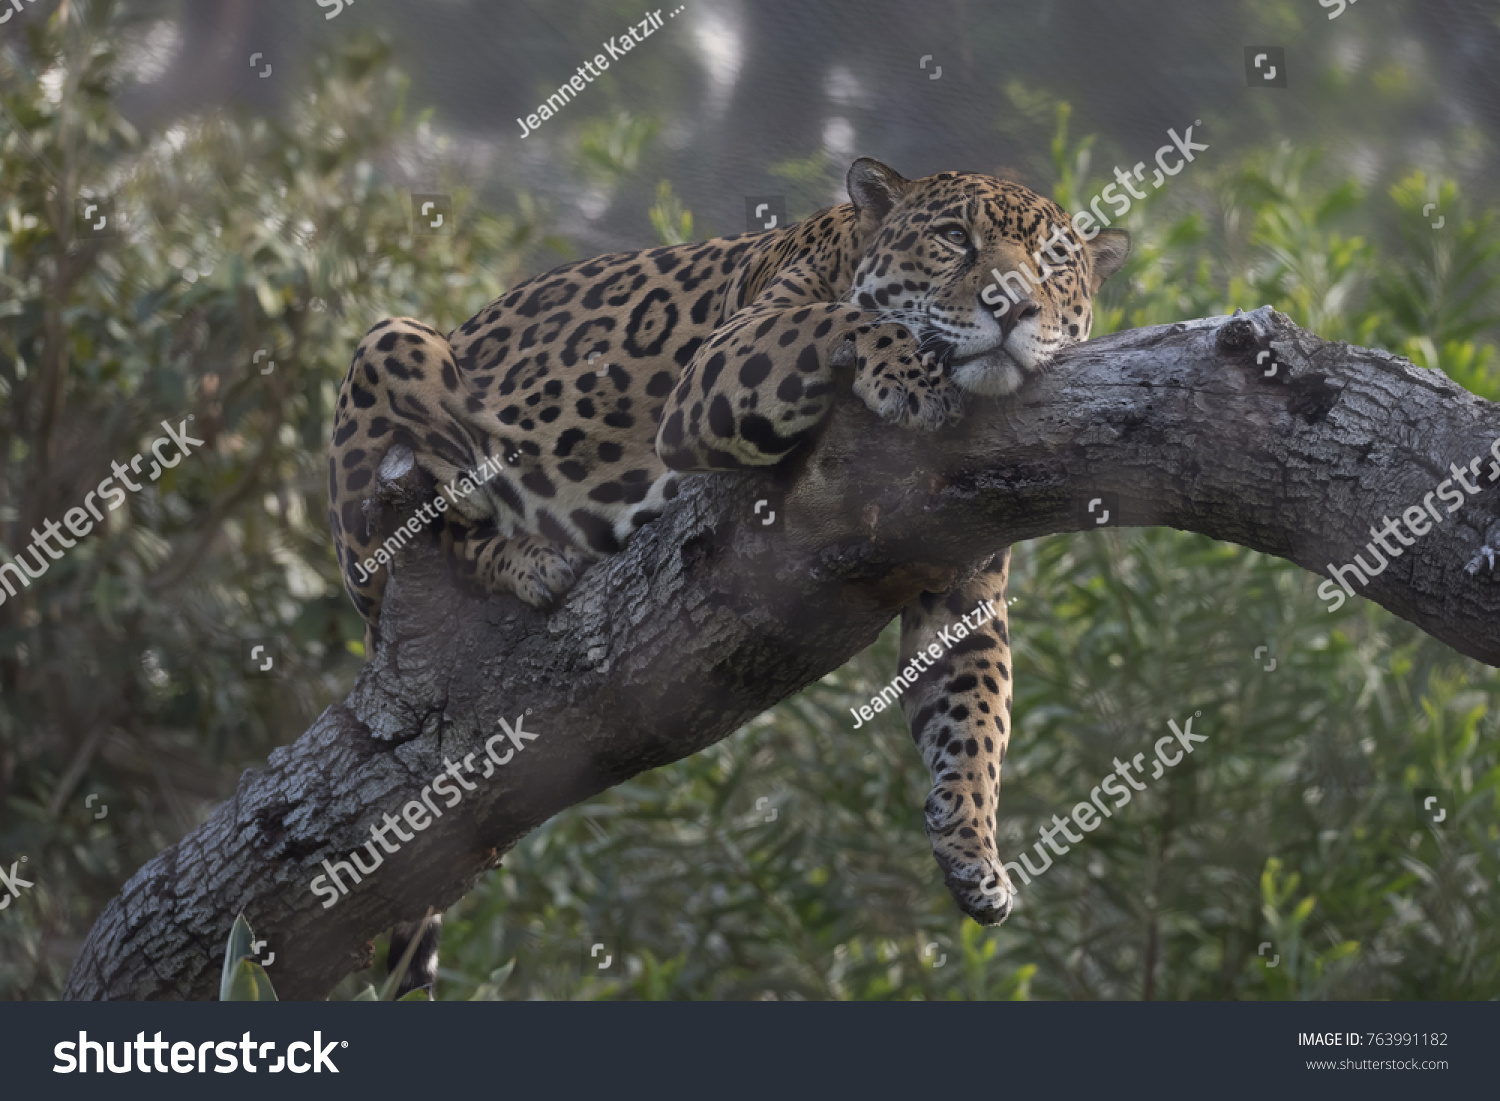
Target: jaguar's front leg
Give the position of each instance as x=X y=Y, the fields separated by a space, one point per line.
x=957 y=646
x=900 y=384
x=765 y=382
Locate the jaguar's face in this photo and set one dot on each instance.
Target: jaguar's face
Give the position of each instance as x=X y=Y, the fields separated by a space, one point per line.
x=990 y=275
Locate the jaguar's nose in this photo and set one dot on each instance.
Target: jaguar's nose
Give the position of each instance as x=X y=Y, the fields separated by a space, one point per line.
x=1018 y=312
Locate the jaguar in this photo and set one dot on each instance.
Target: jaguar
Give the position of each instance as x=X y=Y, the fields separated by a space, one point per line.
x=569 y=410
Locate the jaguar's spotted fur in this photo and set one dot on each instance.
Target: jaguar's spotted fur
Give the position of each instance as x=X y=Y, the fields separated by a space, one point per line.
x=584 y=393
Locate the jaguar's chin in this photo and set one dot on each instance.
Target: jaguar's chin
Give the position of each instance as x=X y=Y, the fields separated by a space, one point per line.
x=993 y=373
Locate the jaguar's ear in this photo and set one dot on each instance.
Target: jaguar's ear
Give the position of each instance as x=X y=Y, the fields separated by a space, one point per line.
x=874 y=189
x=1109 y=251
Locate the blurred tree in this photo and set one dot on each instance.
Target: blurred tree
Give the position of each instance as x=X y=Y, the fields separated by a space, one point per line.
x=239 y=263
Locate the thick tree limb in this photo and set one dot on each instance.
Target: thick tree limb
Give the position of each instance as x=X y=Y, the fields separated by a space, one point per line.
x=709 y=618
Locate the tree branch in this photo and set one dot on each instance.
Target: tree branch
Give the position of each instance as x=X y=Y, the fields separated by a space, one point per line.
x=708 y=617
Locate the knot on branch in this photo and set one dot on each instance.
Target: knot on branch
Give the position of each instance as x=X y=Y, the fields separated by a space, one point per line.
x=398 y=483
x=1238 y=335
x=400 y=492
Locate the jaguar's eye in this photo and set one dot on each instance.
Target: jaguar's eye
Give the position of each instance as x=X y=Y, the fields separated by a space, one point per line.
x=955 y=235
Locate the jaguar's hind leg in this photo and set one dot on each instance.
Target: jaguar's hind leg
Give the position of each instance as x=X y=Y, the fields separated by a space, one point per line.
x=956 y=645
x=535 y=568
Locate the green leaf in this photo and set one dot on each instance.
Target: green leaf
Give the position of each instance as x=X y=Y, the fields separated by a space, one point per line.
x=489 y=991
x=250 y=984
x=241 y=944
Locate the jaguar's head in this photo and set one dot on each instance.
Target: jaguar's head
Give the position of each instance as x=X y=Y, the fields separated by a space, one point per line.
x=993 y=278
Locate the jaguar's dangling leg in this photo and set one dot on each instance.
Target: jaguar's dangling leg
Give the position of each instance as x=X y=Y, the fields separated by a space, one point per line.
x=957 y=646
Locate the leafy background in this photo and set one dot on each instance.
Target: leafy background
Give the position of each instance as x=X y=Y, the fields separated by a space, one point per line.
x=276 y=215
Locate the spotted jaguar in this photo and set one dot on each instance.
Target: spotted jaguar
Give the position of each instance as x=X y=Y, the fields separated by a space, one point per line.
x=569 y=409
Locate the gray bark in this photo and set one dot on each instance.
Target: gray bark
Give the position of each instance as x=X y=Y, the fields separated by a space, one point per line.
x=708 y=618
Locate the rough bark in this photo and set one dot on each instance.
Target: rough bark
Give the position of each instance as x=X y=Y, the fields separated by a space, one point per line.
x=709 y=617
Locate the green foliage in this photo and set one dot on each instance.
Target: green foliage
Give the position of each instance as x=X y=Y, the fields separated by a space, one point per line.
x=248 y=983
x=1437 y=303
x=812 y=182
x=1272 y=230
x=489 y=990
x=122 y=670
x=244 y=980
x=237 y=948
x=609 y=149
x=1305 y=969
x=672 y=222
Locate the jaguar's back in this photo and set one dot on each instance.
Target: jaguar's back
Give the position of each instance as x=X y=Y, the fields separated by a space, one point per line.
x=547 y=402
